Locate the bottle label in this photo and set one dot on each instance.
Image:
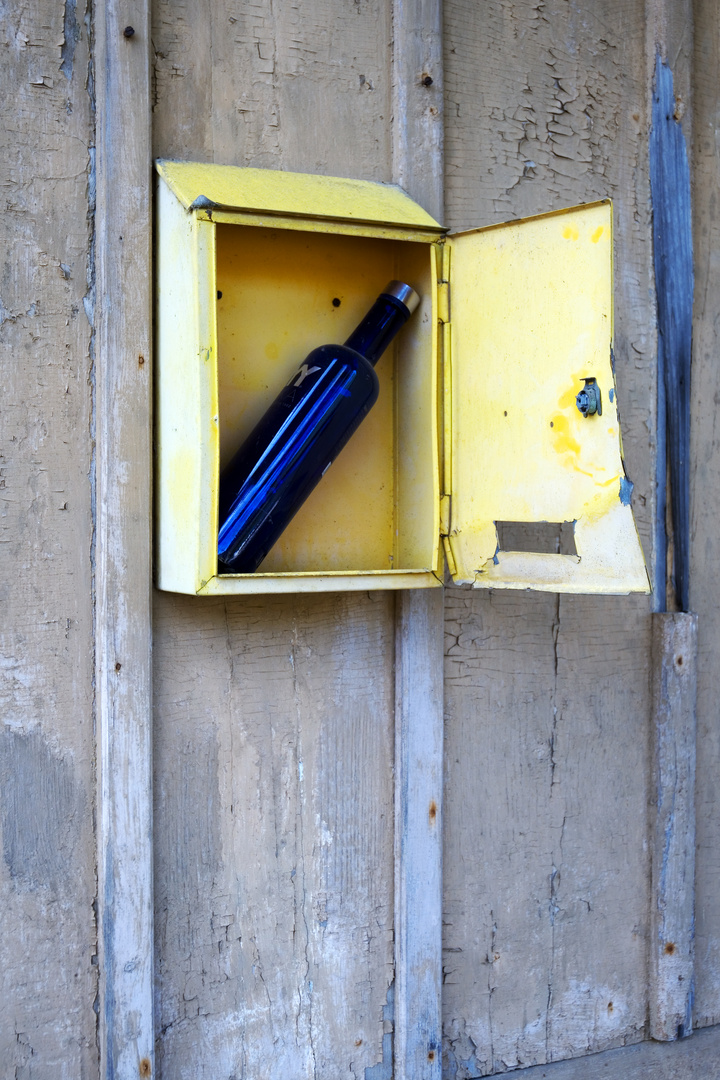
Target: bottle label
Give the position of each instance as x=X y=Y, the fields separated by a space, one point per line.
x=300 y=376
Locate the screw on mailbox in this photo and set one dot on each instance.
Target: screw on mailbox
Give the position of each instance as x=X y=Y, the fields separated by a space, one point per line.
x=589 y=400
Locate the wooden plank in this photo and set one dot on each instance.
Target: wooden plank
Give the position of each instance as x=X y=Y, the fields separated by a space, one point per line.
x=417 y=134
x=691 y=1059
x=547 y=707
x=418 y=836
x=705 y=548
x=672 y=922
x=669 y=41
x=305 y=89
x=673 y=259
x=275 y=916
x=418 y=102
x=48 y=974
x=123 y=533
x=669 y=44
x=274 y=835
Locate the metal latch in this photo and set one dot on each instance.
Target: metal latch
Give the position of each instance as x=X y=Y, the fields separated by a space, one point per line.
x=589 y=400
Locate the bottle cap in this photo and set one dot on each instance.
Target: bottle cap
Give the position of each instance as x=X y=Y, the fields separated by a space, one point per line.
x=404 y=293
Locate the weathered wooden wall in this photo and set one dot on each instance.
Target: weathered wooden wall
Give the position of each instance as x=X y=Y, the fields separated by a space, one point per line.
x=47 y=873
x=274 y=718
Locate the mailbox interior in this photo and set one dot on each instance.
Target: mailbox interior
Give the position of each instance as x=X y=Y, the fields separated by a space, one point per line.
x=281 y=292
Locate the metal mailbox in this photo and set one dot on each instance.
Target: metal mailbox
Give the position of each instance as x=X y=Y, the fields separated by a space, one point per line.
x=477 y=420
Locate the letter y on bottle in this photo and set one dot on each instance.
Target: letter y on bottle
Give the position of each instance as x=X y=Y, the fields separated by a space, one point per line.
x=303 y=374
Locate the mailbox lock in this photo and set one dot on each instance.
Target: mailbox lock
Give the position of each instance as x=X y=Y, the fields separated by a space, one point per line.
x=589 y=400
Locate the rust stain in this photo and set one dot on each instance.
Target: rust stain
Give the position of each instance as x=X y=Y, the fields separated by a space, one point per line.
x=610 y=1006
x=670 y=948
x=358 y=1042
x=145 y=1068
x=431 y=1055
x=118 y=666
x=433 y=811
x=141 y=361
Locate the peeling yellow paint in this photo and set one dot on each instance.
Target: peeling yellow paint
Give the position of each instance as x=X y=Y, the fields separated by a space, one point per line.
x=531 y=320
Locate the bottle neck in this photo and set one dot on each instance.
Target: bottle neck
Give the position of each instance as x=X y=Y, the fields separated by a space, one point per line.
x=374 y=333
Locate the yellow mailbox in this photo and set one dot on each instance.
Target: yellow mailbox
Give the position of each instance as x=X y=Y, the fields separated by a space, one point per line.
x=477 y=420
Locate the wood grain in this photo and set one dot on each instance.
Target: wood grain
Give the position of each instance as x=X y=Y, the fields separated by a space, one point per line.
x=274 y=834
x=418 y=836
x=417 y=149
x=669 y=39
x=673 y=260
x=418 y=102
x=48 y=979
x=303 y=86
x=123 y=469
x=686 y=1060
x=547 y=699
x=705 y=547
x=672 y=801
x=308 y=88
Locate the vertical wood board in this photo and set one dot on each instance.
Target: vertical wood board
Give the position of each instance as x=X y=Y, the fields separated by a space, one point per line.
x=123 y=541
x=274 y=717
x=48 y=977
x=418 y=836
x=672 y=803
x=705 y=548
x=548 y=699
x=274 y=835
x=417 y=148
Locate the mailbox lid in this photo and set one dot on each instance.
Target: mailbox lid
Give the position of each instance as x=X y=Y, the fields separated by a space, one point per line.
x=206 y=187
x=531 y=319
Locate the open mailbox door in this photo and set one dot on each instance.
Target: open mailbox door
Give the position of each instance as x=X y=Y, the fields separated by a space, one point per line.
x=531 y=327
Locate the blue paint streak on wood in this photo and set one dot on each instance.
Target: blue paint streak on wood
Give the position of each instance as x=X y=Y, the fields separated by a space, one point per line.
x=110 y=961
x=384 y=1069
x=71 y=33
x=660 y=582
x=672 y=237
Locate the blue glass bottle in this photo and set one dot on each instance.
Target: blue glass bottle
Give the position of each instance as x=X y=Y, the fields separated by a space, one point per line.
x=301 y=434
